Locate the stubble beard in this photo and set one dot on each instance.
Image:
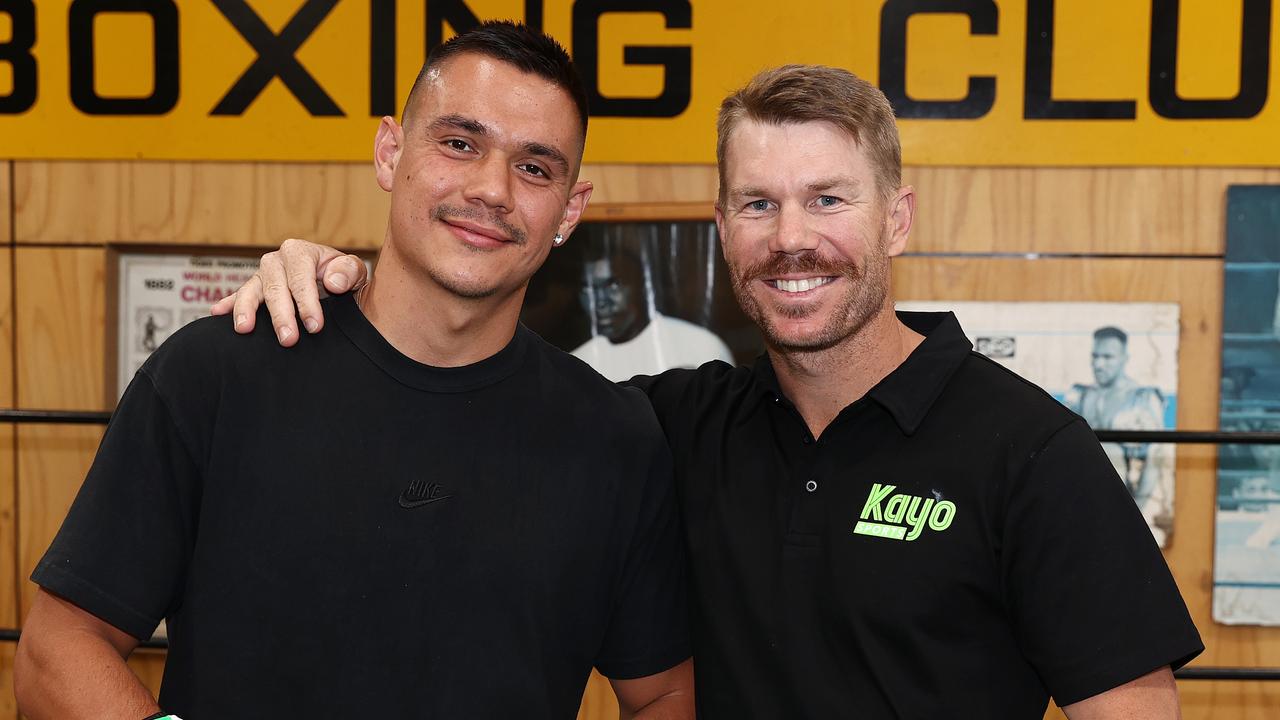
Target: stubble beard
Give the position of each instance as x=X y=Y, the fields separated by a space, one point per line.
x=868 y=289
x=470 y=288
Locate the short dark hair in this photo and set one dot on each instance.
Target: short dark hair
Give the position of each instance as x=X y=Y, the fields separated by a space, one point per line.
x=1110 y=331
x=515 y=44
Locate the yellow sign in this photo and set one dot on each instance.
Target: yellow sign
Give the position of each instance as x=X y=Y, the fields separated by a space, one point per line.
x=975 y=82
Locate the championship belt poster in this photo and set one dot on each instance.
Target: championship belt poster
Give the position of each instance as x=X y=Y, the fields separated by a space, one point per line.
x=1119 y=374
x=160 y=293
x=1246 y=574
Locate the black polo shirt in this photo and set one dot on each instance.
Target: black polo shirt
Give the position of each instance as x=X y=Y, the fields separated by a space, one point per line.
x=955 y=542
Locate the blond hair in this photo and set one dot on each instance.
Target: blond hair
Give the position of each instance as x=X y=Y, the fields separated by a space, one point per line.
x=816 y=93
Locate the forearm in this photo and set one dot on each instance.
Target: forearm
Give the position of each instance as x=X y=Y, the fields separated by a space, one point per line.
x=73 y=674
x=1151 y=697
x=676 y=706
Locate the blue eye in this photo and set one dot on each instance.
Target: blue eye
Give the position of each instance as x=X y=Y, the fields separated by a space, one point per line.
x=828 y=201
x=758 y=205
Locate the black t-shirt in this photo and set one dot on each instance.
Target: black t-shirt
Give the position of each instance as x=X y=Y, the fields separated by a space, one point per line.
x=417 y=542
x=956 y=544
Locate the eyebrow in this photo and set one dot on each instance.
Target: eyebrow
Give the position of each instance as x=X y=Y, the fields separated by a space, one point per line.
x=460 y=122
x=475 y=127
x=747 y=190
x=833 y=182
x=548 y=153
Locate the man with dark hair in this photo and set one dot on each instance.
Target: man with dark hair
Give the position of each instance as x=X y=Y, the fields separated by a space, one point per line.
x=629 y=336
x=1117 y=402
x=881 y=523
x=487 y=521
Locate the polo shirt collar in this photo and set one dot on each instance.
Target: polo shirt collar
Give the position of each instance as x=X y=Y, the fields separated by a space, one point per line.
x=911 y=389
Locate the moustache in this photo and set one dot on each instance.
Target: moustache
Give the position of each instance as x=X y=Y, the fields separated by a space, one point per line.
x=448 y=212
x=806 y=263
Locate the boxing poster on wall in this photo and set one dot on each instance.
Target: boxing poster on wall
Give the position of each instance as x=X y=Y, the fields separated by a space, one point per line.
x=160 y=293
x=1116 y=364
x=639 y=298
x=1246 y=575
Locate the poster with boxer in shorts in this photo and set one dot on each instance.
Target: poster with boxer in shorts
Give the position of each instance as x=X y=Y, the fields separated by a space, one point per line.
x=1115 y=364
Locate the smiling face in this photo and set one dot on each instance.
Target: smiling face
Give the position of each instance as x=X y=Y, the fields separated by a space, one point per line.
x=482 y=176
x=805 y=232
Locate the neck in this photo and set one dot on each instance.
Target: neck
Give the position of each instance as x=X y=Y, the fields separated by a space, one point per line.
x=821 y=383
x=432 y=325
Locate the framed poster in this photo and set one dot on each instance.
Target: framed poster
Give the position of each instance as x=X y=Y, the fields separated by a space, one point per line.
x=1116 y=364
x=1246 y=573
x=159 y=293
x=639 y=298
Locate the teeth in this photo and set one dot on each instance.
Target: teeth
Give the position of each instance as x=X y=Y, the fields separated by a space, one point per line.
x=797 y=286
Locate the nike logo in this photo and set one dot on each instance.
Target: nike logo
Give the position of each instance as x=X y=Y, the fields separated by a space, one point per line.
x=421 y=493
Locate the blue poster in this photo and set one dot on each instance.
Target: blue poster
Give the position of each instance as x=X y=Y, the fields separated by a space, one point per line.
x=1247 y=564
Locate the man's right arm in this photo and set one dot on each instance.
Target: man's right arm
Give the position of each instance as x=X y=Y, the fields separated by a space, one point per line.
x=71 y=664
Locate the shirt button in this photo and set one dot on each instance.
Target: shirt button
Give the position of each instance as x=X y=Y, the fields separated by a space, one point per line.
x=807 y=439
x=811 y=485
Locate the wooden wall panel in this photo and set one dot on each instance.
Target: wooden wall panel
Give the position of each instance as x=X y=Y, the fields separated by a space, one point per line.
x=1166 y=211
x=8 y=488
x=5 y=198
x=60 y=321
x=59 y=318
x=229 y=204
x=1197 y=286
x=1163 y=211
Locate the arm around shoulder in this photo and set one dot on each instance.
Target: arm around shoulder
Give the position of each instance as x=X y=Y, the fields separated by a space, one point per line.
x=70 y=664
x=1153 y=696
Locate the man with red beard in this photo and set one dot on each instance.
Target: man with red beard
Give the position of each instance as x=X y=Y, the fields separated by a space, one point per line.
x=881 y=522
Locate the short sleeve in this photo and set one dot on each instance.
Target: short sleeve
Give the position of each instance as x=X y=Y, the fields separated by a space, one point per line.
x=673 y=394
x=123 y=548
x=649 y=626
x=1093 y=602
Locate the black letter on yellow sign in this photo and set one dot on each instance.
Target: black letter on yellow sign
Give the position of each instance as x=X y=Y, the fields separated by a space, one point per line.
x=677 y=62
x=983 y=20
x=275 y=58
x=164 y=24
x=17 y=52
x=382 y=57
x=1255 y=65
x=454 y=12
x=1037 y=101
x=382 y=41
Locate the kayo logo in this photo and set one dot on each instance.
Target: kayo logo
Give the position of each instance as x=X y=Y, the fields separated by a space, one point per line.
x=902 y=517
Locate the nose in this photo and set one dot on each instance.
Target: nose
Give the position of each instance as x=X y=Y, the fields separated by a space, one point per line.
x=792 y=235
x=489 y=183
